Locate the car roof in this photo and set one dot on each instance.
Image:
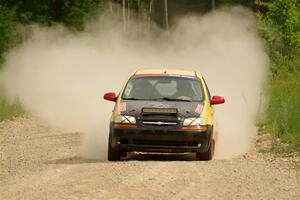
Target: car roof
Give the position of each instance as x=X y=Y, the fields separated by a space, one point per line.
x=168 y=72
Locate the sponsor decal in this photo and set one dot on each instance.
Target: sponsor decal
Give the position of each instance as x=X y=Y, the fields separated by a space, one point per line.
x=122 y=107
x=199 y=108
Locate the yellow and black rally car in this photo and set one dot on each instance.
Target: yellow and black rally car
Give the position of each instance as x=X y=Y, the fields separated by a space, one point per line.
x=163 y=110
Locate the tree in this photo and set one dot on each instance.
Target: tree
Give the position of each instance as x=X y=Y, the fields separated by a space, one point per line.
x=284 y=16
x=69 y=12
x=8 y=33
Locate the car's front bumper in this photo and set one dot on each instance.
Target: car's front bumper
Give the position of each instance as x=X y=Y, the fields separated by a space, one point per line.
x=160 y=140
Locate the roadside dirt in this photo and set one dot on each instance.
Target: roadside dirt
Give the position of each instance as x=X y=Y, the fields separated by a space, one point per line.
x=38 y=162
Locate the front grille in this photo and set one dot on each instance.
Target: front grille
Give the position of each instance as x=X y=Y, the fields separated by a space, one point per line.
x=159 y=123
x=159 y=120
x=159 y=142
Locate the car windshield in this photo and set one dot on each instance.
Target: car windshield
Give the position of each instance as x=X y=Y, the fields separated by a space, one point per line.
x=163 y=88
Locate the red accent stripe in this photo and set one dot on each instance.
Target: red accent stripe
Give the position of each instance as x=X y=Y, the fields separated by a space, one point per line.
x=160 y=75
x=125 y=126
x=193 y=128
x=148 y=75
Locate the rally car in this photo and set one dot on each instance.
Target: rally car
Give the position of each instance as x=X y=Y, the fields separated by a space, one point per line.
x=163 y=110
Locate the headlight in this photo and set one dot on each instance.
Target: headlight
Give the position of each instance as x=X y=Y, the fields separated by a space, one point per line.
x=125 y=119
x=194 y=122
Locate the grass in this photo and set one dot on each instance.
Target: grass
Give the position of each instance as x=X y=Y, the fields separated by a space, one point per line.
x=297 y=165
x=9 y=110
x=282 y=116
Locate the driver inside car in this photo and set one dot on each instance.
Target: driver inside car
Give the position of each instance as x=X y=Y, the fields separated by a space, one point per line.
x=143 y=89
x=184 y=91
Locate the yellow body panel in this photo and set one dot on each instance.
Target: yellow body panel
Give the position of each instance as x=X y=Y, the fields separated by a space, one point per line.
x=178 y=72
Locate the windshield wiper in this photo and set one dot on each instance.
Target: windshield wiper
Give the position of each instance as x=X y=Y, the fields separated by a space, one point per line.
x=171 y=99
x=132 y=98
x=157 y=99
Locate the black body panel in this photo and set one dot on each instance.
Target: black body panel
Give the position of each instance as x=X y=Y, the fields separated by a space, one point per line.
x=160 y=139
x=159 y=128
x=184 y=109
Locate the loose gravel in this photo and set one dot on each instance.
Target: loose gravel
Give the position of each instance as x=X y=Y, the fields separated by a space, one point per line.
x=38 y=162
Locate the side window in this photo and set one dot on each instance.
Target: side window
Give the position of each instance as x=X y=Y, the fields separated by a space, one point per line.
x=197 y=90
x=208 y=92
x=128 y=89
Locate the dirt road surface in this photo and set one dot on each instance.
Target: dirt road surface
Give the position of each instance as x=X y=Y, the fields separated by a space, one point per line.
x=38 y=162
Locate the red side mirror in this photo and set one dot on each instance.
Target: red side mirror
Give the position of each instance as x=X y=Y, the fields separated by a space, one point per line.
x=110 y=96
x=217 y=100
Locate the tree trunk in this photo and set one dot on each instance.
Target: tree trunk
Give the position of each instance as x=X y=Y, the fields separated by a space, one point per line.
x=111 y=6
x=149 y=14
x=128 y=15
x=213 y=5
x=124 y=15
x=166 y=15
x=138 y=9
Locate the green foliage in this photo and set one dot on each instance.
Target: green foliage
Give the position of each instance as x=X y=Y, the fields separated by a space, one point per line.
x=283 y=114
x=280 y=29
x=247 y=3
x=13 y=13
x=8 y=34
x=284 y=58
x=48 y=12
x=284 y=17
x=9 y=110
x=73 y=12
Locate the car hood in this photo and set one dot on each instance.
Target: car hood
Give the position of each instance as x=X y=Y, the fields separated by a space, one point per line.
x=185 y=109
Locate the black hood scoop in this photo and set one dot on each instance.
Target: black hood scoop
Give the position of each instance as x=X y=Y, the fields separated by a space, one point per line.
x=143 y=108
x=159 y=111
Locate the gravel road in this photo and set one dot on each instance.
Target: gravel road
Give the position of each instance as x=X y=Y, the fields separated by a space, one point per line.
x=38 y=162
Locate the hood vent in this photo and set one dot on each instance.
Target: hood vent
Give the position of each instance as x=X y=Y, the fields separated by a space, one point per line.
x=159 y=111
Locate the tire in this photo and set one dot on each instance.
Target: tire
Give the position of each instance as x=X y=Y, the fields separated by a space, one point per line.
x=112 y=155
x=208 y=155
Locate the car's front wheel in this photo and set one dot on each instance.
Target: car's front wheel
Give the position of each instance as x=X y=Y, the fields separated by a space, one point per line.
x=208 y=155
x=113 y=155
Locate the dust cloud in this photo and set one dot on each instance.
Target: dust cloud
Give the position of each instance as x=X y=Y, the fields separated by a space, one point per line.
x=61 y=77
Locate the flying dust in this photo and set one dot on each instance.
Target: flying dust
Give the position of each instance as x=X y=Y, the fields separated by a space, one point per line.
x=60 y=76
